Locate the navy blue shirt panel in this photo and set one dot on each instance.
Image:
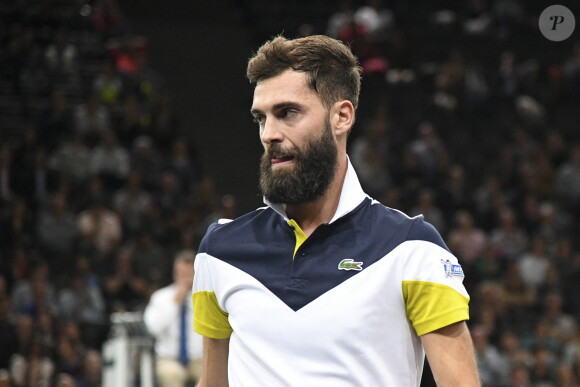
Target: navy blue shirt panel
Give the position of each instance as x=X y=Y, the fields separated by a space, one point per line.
x=261 y=244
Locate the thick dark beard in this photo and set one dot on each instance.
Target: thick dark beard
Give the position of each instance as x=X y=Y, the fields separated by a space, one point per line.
x=314 y=170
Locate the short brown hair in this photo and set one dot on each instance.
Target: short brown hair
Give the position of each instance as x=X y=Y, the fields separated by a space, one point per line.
x=186 y=256
x=332 y=69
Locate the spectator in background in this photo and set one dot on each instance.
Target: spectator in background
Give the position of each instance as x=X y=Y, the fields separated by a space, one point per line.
x=148 y=260
x=556 y=148
x=164 y=126
x=530 y=213
x=7 y=180
x=340 y=19
x=374 y=18
x=24 y=324
x=16 y=225
x=519 y=298
x=81 y=301
x=552 y=225
x=534 y=264
x=540 y=174
x=508 y=240
x=144 y=81
x=132 y=203
x=184 y=163
x=408 y=176
x=92 y=118
x=170 y=200
x=567 y=181
x=427 y=147
x=72 y=160
x=465 y=239
x=226 y=209
x=131 y=122
x=543 y=370
x=34 y=367
x=58 y=231
x=369 y=154
x=571 y=66
x=512 y=355
x=565 y=376
x=8 y=334
x=520 y=376
x=92 y=370
x=490 y=309
x=64 y=380
x=5 y=380
x=487 y=267
x=426 y=206
x=563 y=326
x=110 y=161
x=456 y=191
x=505 y=167
x=109 y=85
x=20 y=260
x=123 y=288
x=507 y=76
x=94 y=190
x=37 y=181
x=109 y=20
x=69 y=349
x=100 y=228
x=146 y=160
x=169 y=317
x=56 y=121
x=61 y=57
x=488 y=358
x=541 y=336
x=484 y=197
x=38 y=293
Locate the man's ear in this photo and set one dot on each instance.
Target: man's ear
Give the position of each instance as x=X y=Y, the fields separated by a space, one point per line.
x=342 y=117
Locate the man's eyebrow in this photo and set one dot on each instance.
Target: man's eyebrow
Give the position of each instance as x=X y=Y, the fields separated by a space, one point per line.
x=280 y=106
x=255 y=111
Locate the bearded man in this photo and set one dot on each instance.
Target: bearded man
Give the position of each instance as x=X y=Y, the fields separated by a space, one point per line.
x=324 y=286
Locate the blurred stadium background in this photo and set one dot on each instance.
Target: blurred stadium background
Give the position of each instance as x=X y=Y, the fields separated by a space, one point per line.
x=124 y=132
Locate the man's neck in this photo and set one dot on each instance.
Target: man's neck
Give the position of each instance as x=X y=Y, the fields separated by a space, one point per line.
x=310 y=215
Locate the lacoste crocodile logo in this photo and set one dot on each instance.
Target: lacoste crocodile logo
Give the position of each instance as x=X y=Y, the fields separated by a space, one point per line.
x=350 y=264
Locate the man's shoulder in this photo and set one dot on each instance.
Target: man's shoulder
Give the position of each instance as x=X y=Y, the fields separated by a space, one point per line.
x=236 y=230
x=408 y=228
x=164 y=291
x=381 y=215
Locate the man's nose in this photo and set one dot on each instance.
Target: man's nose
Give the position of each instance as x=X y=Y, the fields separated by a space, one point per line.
x=271 y=132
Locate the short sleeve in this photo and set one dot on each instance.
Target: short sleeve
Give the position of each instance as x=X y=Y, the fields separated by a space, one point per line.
x=209 y=319
x=432 y=287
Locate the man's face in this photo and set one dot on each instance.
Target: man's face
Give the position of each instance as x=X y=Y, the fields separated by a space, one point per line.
x=183 y=274
x=300 y=152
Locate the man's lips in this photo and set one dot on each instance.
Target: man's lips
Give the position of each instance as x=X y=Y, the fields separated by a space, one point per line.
x=280 y=159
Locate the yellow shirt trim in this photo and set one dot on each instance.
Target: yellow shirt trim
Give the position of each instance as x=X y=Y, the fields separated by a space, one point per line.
x=208 y=318
x=431 y=306
x=300 y=236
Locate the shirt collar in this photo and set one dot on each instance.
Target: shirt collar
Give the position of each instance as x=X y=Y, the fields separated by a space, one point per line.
x=351 y=196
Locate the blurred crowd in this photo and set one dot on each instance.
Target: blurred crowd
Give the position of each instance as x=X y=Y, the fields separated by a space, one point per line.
x=468 y=116
x=99 y=186
x=471 y=119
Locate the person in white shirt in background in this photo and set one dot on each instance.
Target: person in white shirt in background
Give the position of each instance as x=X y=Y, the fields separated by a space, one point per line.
x=174 y=367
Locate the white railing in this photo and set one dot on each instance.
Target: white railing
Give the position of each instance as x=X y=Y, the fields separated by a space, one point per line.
x=128 y=353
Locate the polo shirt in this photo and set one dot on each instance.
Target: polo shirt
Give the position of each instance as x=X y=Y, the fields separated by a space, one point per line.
x=344 y=307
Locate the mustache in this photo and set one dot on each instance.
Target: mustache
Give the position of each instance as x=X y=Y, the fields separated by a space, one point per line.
x=277 y=150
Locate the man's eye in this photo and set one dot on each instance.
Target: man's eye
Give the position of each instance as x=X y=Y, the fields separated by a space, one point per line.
x=259 y=119
x=289 y=113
